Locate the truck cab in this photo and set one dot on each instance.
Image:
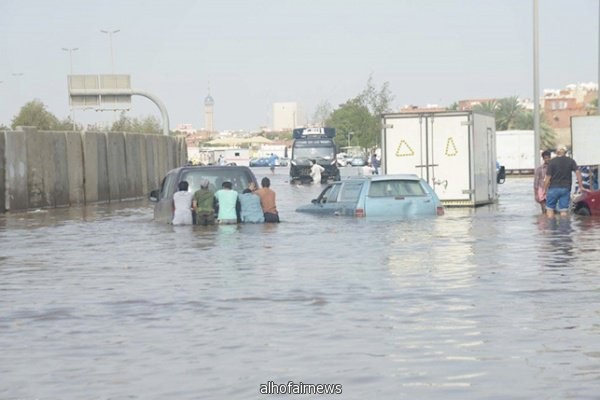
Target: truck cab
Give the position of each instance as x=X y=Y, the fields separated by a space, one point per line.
x=313 y=145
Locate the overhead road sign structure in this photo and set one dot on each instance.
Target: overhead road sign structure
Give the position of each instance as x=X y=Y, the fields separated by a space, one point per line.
x=107 y=93
x=103 y=92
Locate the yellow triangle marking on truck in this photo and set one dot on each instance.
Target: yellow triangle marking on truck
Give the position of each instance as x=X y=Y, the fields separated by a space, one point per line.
x=400 y=152
x=451 y=147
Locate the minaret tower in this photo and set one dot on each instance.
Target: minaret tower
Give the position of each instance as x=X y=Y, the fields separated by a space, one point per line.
x=209 y=104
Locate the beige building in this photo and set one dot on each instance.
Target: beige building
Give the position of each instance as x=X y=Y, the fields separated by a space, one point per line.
x=287 y=116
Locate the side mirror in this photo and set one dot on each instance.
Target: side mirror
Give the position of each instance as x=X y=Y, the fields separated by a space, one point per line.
x=154 y=195
x=501 y=176
x=314 y=201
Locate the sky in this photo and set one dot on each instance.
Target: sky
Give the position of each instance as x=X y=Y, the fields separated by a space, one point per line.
x=253 y=53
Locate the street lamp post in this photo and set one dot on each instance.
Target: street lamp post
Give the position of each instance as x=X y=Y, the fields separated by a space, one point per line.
x=349 y=137
x=18 y=75
x=70 y=50
x=110 y=34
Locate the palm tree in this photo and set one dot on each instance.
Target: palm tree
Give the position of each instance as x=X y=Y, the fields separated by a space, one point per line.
x=490 y=107
x=508 y=112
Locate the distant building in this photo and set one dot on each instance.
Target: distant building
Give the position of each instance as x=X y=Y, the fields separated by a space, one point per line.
x=467 y=105
x=427 y=108
x=287 y=116
x=209 y=104
x=560 y=105
x=188 y=129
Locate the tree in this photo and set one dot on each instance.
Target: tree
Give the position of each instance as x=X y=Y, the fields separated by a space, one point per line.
x=378 y=102
x=358 y=120
x=35 y=114
x=149 y=124
x=489 y=107
x=354 y=124
x=322 y=113
x=67 y=125
x=547 y=134
x=508 y=112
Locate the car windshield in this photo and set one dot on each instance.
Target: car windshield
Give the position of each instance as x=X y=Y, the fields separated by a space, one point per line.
x=396 y=188
x=216 y=177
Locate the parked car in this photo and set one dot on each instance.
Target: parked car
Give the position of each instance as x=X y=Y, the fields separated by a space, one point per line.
x=259 y=162
x=358 y=162
x=404 y=195
x=587 y=203
x=239 y=177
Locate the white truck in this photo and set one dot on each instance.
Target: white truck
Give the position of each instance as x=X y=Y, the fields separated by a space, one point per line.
x=454 y=151
x=514 y=150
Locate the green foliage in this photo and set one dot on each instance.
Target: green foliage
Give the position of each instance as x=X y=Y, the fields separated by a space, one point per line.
x=453 y=106
x=322 y=113
x=354 y=124
x=490 y=107
x=149 y=124
x=358 y=120
x=512 y=115
x=547 y=134
x=35 y=114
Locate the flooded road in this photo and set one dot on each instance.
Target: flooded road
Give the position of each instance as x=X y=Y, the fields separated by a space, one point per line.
x=493 y=303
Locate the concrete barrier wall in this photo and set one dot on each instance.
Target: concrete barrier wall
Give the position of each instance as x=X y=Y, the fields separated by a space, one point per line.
x=2 y=172
x=55 y=169
x=17 y=186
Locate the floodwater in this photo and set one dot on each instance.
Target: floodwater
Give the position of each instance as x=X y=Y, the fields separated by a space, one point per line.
x=493 y=303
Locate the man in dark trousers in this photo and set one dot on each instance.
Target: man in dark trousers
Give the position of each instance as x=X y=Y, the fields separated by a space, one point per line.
x=558 y=181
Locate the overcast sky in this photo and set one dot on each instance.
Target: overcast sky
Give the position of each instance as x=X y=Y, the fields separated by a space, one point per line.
x=253 y=53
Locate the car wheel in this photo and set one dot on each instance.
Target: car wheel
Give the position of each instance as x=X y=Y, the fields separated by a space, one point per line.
x=582 y=210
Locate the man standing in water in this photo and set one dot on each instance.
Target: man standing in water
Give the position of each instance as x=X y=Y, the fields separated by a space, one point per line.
x=538 y=181
x=558 y=181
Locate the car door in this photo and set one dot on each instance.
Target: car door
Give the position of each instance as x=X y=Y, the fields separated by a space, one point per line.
x=326 y=203
x=398 y=198
x=163 y=209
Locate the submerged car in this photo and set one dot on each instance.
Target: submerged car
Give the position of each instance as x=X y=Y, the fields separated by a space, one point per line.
x=404 y=195
x=239 y=177
x=587 y=203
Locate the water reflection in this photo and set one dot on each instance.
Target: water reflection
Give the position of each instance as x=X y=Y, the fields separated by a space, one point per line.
x=486 y=303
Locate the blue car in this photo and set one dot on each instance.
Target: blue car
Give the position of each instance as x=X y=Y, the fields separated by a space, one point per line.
x=377 y=196
x=259 y=162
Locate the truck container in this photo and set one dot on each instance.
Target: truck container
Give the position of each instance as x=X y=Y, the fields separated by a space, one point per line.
x=585 y=139
x=514 y=150
x=454 y=151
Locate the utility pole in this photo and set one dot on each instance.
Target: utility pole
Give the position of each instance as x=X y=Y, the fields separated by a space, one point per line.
x=70 y=50
x=536 y=87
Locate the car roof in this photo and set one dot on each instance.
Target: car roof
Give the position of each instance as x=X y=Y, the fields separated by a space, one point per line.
x=207 y=167
x=375 y=178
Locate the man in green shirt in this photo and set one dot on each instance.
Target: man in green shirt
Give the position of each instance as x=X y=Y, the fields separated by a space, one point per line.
x=203 y=204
